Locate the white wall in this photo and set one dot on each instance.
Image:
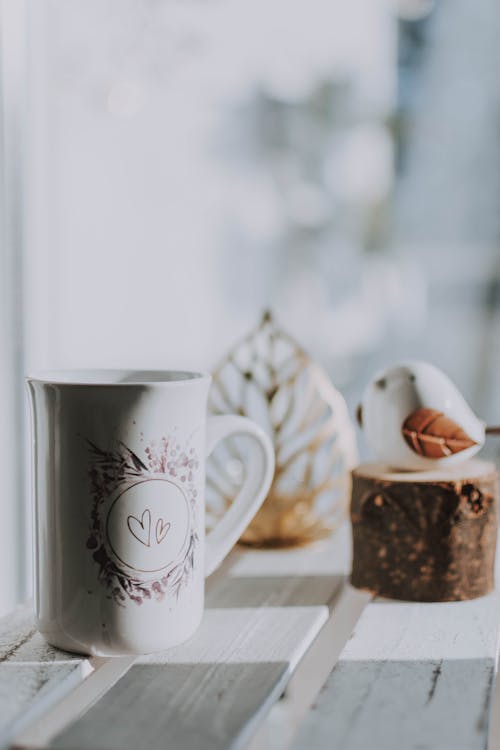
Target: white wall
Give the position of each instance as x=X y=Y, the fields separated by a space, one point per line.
x=155 y=224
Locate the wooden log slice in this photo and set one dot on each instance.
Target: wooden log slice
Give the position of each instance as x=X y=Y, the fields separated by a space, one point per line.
x=425 y=536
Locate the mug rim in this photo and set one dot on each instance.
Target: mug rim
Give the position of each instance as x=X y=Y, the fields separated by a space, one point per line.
x=110 y=377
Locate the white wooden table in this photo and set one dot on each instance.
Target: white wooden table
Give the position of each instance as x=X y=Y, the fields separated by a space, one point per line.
x=288 y=655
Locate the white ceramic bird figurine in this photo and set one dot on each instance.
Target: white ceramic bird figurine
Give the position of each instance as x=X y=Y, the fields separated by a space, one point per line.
x=415 y=418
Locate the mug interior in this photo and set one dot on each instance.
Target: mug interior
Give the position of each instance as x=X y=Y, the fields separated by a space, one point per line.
x=117 y=377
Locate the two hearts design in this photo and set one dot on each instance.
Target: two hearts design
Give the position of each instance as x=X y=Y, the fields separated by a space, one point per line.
x=141 y=528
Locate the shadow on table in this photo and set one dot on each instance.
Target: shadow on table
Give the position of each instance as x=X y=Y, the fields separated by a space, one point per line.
x=189 y=706
x=274 y=591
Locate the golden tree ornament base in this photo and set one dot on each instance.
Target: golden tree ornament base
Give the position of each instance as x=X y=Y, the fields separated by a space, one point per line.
x=286 y=521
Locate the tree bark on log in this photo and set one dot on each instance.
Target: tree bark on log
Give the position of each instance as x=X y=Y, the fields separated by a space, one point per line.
x=425 y=536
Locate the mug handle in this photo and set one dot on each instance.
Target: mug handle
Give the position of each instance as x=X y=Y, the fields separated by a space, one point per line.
x=260 y=472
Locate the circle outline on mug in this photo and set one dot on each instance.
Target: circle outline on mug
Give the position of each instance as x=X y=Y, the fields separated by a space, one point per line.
x=162 y=455
x=183 y=549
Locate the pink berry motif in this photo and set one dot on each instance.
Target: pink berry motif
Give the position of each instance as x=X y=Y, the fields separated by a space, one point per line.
x=114 y=470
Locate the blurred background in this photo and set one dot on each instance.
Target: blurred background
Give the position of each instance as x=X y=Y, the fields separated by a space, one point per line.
x=170 y=168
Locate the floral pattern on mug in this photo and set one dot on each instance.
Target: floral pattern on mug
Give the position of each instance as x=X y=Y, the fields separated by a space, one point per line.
x=141 y=553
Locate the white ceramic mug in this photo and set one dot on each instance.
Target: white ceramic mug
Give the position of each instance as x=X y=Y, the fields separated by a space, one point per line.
x=121 y=553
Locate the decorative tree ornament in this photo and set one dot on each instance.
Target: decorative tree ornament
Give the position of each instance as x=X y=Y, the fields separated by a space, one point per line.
x=415 y=418
x=269 y=377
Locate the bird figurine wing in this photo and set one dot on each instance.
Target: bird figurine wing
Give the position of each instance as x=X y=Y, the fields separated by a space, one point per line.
x=432 y=434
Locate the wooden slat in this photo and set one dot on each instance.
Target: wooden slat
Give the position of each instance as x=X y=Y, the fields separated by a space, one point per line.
x=494 y=727
x=21 y=642
x=33 y=675
x=214 y=691
x=281 y=725
x=73 y=703
x=412 y=676
x=28 y=690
